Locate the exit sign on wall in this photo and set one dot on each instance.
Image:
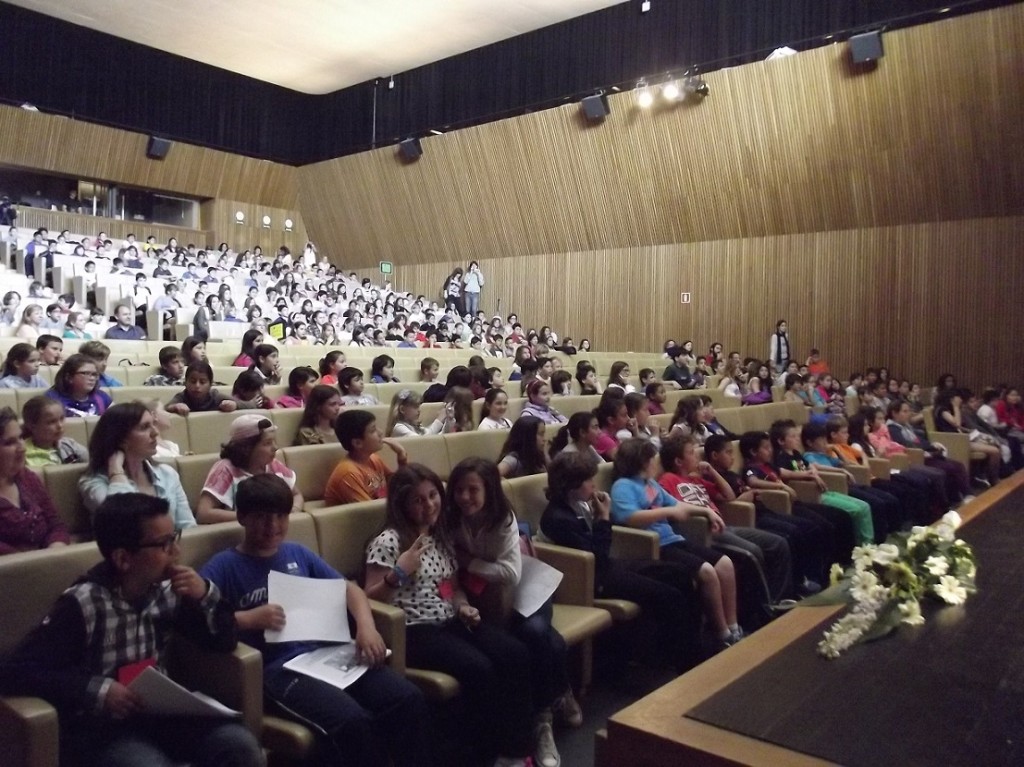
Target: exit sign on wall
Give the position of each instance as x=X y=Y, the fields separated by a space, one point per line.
x=684 y=298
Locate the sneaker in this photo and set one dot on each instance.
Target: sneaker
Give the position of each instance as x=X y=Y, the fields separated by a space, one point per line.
x=568 y=709
x=736 y=634
x=547 y=752
x=783 y=605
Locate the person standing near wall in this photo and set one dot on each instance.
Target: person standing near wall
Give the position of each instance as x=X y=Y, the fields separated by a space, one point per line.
x=779 y=349
x=472 y=284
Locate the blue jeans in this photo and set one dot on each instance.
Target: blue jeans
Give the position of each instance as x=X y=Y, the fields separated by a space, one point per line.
x=379 y=720
x=472 y=302
x=162 y=742
x=548 y=653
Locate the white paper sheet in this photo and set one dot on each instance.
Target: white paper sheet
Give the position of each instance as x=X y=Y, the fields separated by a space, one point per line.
x=314 y=608
x=538 y=583
x=335 y=665
x=161 y=695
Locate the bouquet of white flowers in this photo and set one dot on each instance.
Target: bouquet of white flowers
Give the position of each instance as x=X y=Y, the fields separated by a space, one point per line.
x=887 y=582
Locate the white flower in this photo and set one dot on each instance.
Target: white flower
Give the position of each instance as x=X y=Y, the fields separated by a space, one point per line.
x=949 y=590
x=866 y=590
x=936 y=565
x=835 y=573
x=917 y=534
x=886 y=554
x=863 y=556
x=952 y=519
x=911 y=612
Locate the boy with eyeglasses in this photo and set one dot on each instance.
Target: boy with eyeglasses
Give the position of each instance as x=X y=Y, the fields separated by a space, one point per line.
x=109 y=626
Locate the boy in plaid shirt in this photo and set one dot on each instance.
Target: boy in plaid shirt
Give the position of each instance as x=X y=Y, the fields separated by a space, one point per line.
x=108 y=626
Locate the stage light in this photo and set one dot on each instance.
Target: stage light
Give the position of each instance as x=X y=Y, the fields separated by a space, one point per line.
x=644 y=96
x=266 y=222
x=696 y=86
x=670 y=90
x=239 y=217
x=288 y=224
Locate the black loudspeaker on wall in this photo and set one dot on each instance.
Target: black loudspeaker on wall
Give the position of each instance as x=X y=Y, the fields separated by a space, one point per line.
x=157 y=148
x=595 y=107
x=410 y=149
x=866 y=48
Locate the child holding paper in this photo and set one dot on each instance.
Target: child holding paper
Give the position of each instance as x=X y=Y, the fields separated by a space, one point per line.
x=379 y=701
x=481 y=524
x=110 y=625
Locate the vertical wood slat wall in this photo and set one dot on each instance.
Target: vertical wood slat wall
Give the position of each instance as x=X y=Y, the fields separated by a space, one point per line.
x=799 y=144
x=219 y=221
x=83 y=150
x=921 y=298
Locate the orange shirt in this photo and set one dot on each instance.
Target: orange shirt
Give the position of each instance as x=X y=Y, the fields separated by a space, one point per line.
x=818 y=368
x=846 y=453
x=351 y=482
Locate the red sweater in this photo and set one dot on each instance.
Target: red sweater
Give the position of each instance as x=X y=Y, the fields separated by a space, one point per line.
x=34 y=524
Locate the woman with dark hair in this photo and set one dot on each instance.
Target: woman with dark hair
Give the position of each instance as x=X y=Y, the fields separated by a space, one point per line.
x=28 y=518
x=76 y=386
x=250 y=450
x=121 y=450
x=523 y=451
x=452 y=292
x=211 y=312
x=459 y=375
x=779 y=351
x=250 y=341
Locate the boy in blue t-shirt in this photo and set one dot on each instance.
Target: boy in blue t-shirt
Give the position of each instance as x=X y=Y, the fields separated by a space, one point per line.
x=354 y=721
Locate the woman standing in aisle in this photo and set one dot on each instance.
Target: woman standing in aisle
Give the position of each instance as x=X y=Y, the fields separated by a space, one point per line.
x=779 y=349
x=472 y=284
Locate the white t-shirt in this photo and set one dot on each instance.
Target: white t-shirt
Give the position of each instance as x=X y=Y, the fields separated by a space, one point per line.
x=488 y=423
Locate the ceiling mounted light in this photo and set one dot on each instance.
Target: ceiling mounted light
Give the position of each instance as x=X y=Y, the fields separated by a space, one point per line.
x=288 y=224
x=670 y=91
x=266 y=222
x=695 y=85
x=239 y=217
x=644 y=96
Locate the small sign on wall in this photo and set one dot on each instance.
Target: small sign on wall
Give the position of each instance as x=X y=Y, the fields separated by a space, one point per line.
x=386 y=267
x=684 y=298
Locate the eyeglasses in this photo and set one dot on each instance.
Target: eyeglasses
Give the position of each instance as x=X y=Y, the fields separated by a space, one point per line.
x=167 y=543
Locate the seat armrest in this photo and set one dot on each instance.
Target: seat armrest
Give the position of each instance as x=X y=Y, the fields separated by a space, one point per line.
x=29 y=732
x=806 y=490
x=234 y=678
x=577 y=568
x=778 y=501
x=861 y=474
x=390 y=622
x=957 y=445
x=630 y=543
x=836 y=481
x=696 y=528
x=916 y=456
x=880 y=468
x=738 y=513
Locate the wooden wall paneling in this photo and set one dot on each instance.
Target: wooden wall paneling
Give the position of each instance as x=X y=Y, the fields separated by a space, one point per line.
x=801 y=144
x=84 y=150
x=57 y=221
x=219 y=219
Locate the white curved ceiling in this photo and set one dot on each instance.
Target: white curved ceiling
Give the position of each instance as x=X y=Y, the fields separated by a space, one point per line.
x=315 y=46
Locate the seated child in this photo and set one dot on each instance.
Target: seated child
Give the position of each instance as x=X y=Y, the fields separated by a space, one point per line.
x=21 y=369
x=791 y=465
x=198 y=396
x=301 y=381
x=111 y=623
x=761 y=557
x=361 y=475
x=99 y=353
x=43 y=432
x=381 y=715
x=886 y=513
x=172 y=368
x=656 y=397
x=50 y=349
x=350 y=381
x=247 y=391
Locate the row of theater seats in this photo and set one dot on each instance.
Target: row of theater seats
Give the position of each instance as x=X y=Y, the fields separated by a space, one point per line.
x=28 y=727
x=203 y=433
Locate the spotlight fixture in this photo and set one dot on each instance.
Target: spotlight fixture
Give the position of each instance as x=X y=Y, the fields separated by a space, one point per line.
x=696 y=86
x=239 y=217
x=670 y=91
x=288 y=224
x=644 y=96
x=266 y=222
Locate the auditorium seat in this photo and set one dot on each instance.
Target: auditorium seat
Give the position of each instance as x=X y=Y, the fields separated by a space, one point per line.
x=192 y=471
x=62 y=485
x=312 y=465
x=475 y=444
